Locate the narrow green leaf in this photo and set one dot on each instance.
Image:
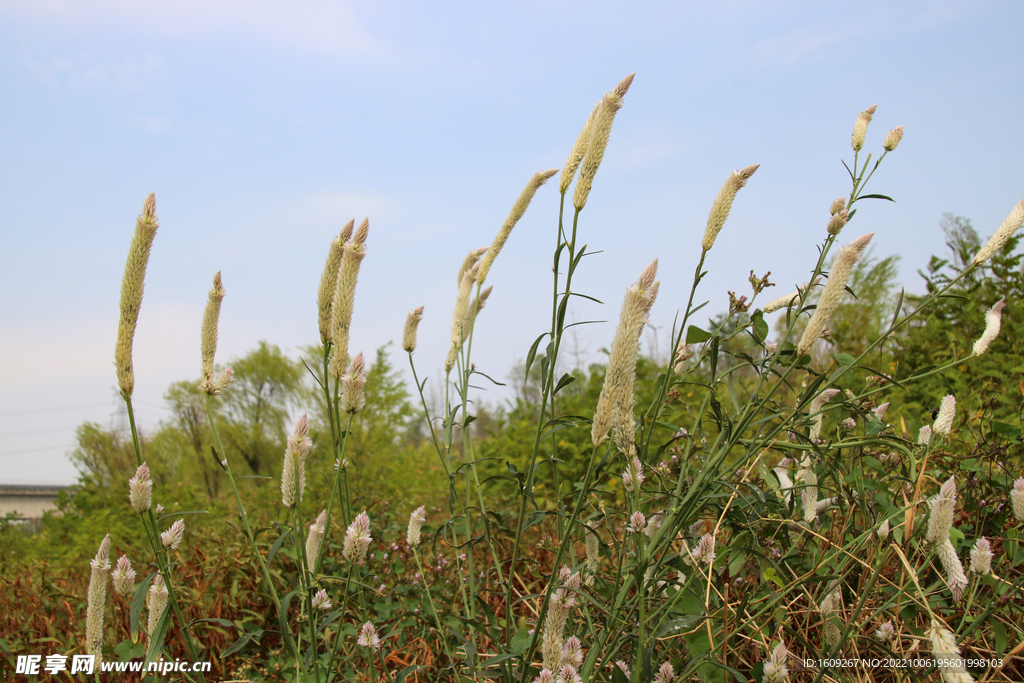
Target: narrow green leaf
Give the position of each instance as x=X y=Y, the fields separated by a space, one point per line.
x=875 y=196
x=138 y=602
x=277 y=545
x=533 y=353
x=565 y=381
x=156 y=639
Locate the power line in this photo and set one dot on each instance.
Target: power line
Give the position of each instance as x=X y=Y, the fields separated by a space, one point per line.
x=35 y=450
x=32 y=411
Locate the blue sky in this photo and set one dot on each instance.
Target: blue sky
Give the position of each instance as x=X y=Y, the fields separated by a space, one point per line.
x=264 y=126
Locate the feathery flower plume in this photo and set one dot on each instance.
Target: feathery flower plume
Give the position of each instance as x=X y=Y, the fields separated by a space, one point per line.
x=353 y=384
x=666 y=674
x=785 y=483
x=885 y=632
x=321 y=601
x=637 y=522
x=879 y=411
x=473 y=310
x=416 y=520
x=579 y=150
x=860 y=127
x=208 y=334
x=993 y=321
x=838 y=220
x=842 y=266
x=723 y=204
x=568 y=674
x=653 y=525
x=157 y=603
x=293 y=470
x=623 y=667
x=940 y=521
x=357 y=539
x=817 y=403
x=159 y=510
x=633 y=475
x=705 y=551
x=221 y=382
x=518 y=209
x=615 y=405
x=781 y=302
x=471 y=259
x=459 y=332
x=1002 y=234
x=953 y=567
x=545 y=676
x=837 y=206
x=97 y=599
x=944 y=420
x=329 y=282
x=944 y=648
x=172 y=537
x=600 y=130
x=572 y=652
x=368 y=636
x=775 y=669
x=132 y=285
x=123 y=577
x=849 y=423
x=883 y=530
x=562 y=602
x=353 y=253
x=893 y=138
x=981 y=557
x=825 y=503
x=412 y=323
x=832 y=603
x=1017 y=499
x=140 y=489
x=924 y=436
x=808 y=478
x=313 y=540
x=683 y=354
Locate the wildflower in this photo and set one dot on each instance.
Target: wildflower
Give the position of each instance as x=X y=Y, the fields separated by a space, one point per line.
x=561 y=604
x=623 y=667
x=683 y=354
x=357 y=539
x=705 y=551
x=849 y=423
x=221 y=382
x=343 y=303
x=880 y=410
x=518 y=209
x=722 y=205
x=1017 y=499
x=157 y=603
x=993 y=321
x=653 y=524
x=996 y=242
x=470 y=261
x=572 y=652
x=940 y=521
x=123 y=577
x=545 y=677
x=132 y=285
x=842 y=266
x=313 y=540
x=368 y=636
x=459 y=331
x=293 y=470
x=809 y=495
x=569 y=674
x=159 y=510
x=172 y=537
x=208 y=334
x=860 y=127
x=924 y=437
x=140 y=489
x=416 y=520
x=637 y=522
x=944 y=421
x=981 y=557
x=883 y=530
x=600 y=131
x=353 y=396
x=321 y=601
x=837 y=206
x=775 y=669
x=893 y=139
x=885 y=632
x=955 y=577
x=666 y=674
x=97 y=599
x=633 y=475
x=412 y=322
x=785 y=483
x=329 y=281
x=832 y=603
x=837 y=222
x=578 y=151
x=945 y=649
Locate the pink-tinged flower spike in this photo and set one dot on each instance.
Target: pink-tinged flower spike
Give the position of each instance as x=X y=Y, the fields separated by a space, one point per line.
x=412 y=323
x=993 y=321
x=1017 y=499
x=518 y=209
x=208 y=333
x=172 y=537
x=368 y=636
x=132 y=286
x=545 y=677
x=944 y=421
x=842 y=267
x=157 y=603
x=880 y=410
x=140 y=490
x=97 y=599
x=666 y=674
x=705 y=551
x=637 y=522
x=1002 y=234
x=775 y=669
x=599 y=128
x=123 y=577
x=955 y=577
x=981 y=557
x=947 y=652
x=572 y=652
x=293 y=470
x=416 y=520
x=940 y=521
x=329 y=282
x=221 y=382
x=343 y=304
x=893 y=139
x=838 y=220
x=722 y=205
x=860 y=127
x=785 y=301
x=321 y=601
x=313 y=540
x=357 y=539
x=623 y=667
x=159 y=510
x=885 y=632
x=837 y=206
x=568 y=674
x=633 y=475
x=353 y=395
x=924 y=436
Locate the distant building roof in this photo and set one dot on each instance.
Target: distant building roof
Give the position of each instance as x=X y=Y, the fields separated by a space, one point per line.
x=31 y=489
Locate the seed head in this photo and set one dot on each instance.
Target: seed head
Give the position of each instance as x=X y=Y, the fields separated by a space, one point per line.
x=321 y=601
x=97 y=599
x=416 y=520
x=342 y=306
x=123 y=577
x=518 y=209
x=944 y=420
x=860 y=127
x=208 y=333
x=412 y=323
x=637 y=522
x=834 y=289
x=723 y=204
x=172 y=537
x=357 y=539
x=368 y=636
x=600 y=129
x=329 y=282
x=633 y=475
x=945 y=649
x=353 y=396
x=981 y=557
x=1002 y=234
x=837 y=206
x=839 y=219
x=140 y=489
x=893 y=138
x=1017 y=499
x=775 y=669
x=924 y=436
x=293 y=470
x=993 y=321
x=940 y=521
x=157 y=603
x=313 y=540
x=955 y=577
x=132 y=286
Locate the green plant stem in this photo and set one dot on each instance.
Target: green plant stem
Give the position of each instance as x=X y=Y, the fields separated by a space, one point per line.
x=433 y=608
x=340 y=454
